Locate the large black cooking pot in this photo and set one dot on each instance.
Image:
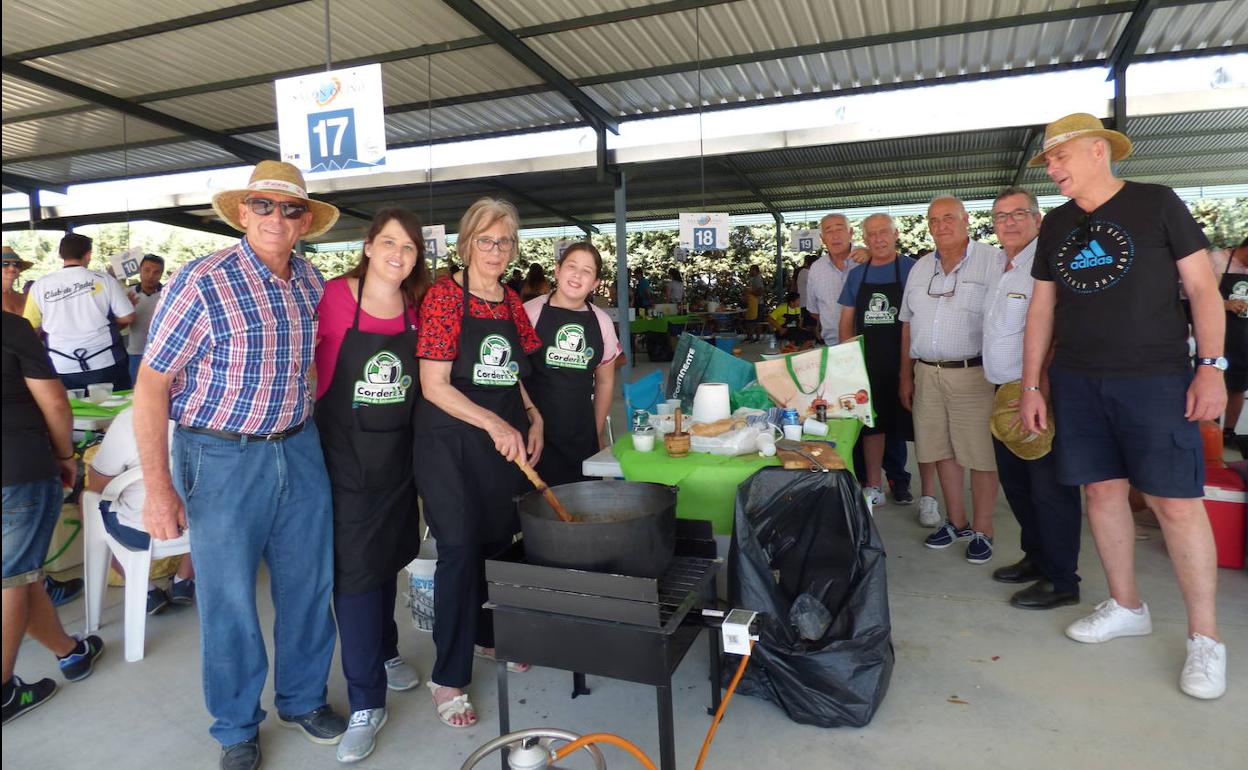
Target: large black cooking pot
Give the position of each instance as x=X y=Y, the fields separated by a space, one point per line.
x=623 y=527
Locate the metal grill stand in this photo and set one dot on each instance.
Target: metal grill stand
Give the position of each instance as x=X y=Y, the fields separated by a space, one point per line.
x=615 y=626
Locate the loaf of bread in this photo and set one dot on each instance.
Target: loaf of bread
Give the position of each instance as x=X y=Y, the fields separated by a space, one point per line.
x=719 y=427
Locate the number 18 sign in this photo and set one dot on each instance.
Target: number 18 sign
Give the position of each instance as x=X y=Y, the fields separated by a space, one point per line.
x=704 y=231
x=331 y=121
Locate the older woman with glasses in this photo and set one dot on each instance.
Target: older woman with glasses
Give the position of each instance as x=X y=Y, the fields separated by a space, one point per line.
x=475 y=420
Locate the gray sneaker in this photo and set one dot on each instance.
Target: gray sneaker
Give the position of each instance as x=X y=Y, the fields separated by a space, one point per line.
x=929 y=512
x=401 y=675
x=361 y=736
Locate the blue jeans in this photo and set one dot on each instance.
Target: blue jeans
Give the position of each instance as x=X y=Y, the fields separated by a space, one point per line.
x=30 y=514
x=247 y=501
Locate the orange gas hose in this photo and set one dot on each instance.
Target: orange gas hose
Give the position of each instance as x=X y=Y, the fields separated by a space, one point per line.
x=719 y=713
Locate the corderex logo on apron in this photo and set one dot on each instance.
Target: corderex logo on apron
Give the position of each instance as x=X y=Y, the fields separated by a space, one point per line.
x=494 y=365
x=384 y=381
x=569 y=350
x=879 y=311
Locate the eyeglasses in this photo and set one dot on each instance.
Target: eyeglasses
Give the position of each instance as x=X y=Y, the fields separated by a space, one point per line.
x=1082 y=233
x=1017 y=215
x=11 y=263
x=949 y=293
x=504 y=245
x=262 y=207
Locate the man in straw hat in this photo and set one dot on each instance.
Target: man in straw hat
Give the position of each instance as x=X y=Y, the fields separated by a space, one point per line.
x=1126 y=400
x=1049 y=513
x=228 y=356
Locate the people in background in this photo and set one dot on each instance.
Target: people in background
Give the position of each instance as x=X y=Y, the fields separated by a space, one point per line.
x=144 y=297
x=1126 y=401
x=80 y=310
x=14 y=295
x=800 y=285
x=38 y=462
x=942 y=376
x=1231 y=268
x=366 y=398
x=641 y=290
x=515 y=282
x=786 y=321
x=474 y=422
x=535 y=283
x=247 y=465
x=673 y=288
x=754 y=291
x=123 y=519
x=1049 y=513
x=574 y=369
x=869 y=305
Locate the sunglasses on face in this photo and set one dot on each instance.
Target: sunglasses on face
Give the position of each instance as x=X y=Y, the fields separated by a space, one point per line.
x=7 y=263
x=262 y=207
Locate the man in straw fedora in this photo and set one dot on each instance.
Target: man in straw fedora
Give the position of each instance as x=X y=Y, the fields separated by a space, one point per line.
x=1126 y=399
x=227 y=359
x=1049 y=513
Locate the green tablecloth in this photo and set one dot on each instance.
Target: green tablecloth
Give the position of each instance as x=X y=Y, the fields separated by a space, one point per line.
x=90 y=410
x=708 y=483
x=639 y=325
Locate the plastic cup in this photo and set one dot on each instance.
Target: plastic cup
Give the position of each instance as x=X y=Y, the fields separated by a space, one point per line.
x=643 y=440
x=100 y=392
x=793 y=432
x=665 y=408
x=77 y=393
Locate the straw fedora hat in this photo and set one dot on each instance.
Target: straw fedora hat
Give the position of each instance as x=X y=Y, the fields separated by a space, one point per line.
x=275 y=176
x=10 y=256
x=1006 y=428
x=1080 y=124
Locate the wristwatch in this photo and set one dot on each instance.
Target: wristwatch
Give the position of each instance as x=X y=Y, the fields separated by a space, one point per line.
x=1218 y=363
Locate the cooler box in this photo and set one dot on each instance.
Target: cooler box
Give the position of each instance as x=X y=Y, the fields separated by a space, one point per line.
x=1226 y=502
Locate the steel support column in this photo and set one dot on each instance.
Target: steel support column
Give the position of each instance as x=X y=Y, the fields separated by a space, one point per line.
x=779 y=256
x=35 y=209
x=621 y=276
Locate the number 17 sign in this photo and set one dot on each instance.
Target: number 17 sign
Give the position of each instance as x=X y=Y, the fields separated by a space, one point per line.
x=331 y=121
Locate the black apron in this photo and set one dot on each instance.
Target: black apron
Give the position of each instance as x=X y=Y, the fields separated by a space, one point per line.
x=562 y=389
x=1235 y=286
x=466 y=485
x=875 y=318
x=365 y=422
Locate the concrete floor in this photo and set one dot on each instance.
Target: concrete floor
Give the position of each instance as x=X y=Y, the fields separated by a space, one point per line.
x=1033 y=699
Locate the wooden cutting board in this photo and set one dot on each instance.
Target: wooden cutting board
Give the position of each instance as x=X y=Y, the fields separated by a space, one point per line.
x=821 y=450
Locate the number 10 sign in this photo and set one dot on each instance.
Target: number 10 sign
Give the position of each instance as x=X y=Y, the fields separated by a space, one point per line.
x=704 y=231
x=331 y=121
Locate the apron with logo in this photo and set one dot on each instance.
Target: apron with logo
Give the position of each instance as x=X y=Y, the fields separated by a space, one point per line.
x=1235 y=286
x=467 y=486
x=562 y=388
x=365 y=422
x=875 y=318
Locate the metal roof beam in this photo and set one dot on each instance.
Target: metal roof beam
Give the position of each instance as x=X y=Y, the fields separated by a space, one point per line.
x=1021 y=169
x=584 y=104
x=29 y=184
x=1124 y=49
x=510 y=190
x=731 y=164
x=245 y=150
x=147 y=30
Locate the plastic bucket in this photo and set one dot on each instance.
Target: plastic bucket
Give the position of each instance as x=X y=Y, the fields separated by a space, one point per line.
x=726 y=344
x=420 y=592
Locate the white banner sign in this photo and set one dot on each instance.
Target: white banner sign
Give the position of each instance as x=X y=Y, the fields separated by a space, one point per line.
x=435 y=241
x=803 y=239
x=125 y=264
x=704 y=231
x=332 y=121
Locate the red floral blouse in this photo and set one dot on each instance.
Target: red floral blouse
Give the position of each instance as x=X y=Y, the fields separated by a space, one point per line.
x=443 y=308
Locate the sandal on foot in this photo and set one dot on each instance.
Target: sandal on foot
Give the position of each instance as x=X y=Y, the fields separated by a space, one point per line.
x=452 y=707
x=515 y=668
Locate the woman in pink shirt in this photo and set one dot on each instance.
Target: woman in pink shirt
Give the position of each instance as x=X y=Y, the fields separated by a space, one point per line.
x=366 y=395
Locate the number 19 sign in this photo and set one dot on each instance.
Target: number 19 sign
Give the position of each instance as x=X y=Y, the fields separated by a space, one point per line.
x=704 y=231
x=331 y=121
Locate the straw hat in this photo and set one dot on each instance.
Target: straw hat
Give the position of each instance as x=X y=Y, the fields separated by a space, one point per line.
x=1080 y=124
x=10 y=256
x=1006 y=428
x=275 y=176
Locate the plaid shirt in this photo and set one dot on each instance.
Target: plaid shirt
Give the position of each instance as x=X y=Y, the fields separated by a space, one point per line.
x=238 y=341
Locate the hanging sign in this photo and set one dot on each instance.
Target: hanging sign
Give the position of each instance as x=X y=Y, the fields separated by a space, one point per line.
x=561 y=245
x=435 y=241
x=680 y=254
x=125 y=264
x=332 y=121
x=803 y=239
x=704 y=231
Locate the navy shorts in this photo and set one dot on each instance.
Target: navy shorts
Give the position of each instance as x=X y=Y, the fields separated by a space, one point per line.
x=1127 y=428
x=134 y=539
x=31 y=511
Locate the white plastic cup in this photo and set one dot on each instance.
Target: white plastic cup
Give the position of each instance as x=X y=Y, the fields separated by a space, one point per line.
x=665 y=408
x=793 y=432
x=77 y=393
x=674 y=403
x=814 y=427
x=100 y=392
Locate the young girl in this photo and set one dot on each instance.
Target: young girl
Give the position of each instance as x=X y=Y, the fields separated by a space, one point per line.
x=573 y=379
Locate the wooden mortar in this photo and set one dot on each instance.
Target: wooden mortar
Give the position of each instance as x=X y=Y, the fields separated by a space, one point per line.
x=677 y=443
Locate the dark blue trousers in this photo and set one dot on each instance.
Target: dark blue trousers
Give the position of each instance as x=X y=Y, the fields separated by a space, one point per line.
x=894 y=460
x=369 y=638
x=1050 y=514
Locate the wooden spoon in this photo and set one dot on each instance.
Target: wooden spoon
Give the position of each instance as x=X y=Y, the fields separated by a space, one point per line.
x=560 y=511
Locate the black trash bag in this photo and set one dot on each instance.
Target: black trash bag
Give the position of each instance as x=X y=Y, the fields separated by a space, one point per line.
x=796 y=533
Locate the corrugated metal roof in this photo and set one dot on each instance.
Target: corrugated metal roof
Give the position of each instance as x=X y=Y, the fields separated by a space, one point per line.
x=1196 y=26
x=30 y=24
x=78 y=131
x=22 y=97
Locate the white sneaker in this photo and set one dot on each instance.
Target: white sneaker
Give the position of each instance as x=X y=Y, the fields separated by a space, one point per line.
x=1111 y=620
x=874 y=495
x=361 y=736
x=929 y=512
x=401 y=675
x=1204 y=673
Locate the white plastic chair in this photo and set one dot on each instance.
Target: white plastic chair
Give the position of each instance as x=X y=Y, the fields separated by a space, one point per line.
x=136 y=564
